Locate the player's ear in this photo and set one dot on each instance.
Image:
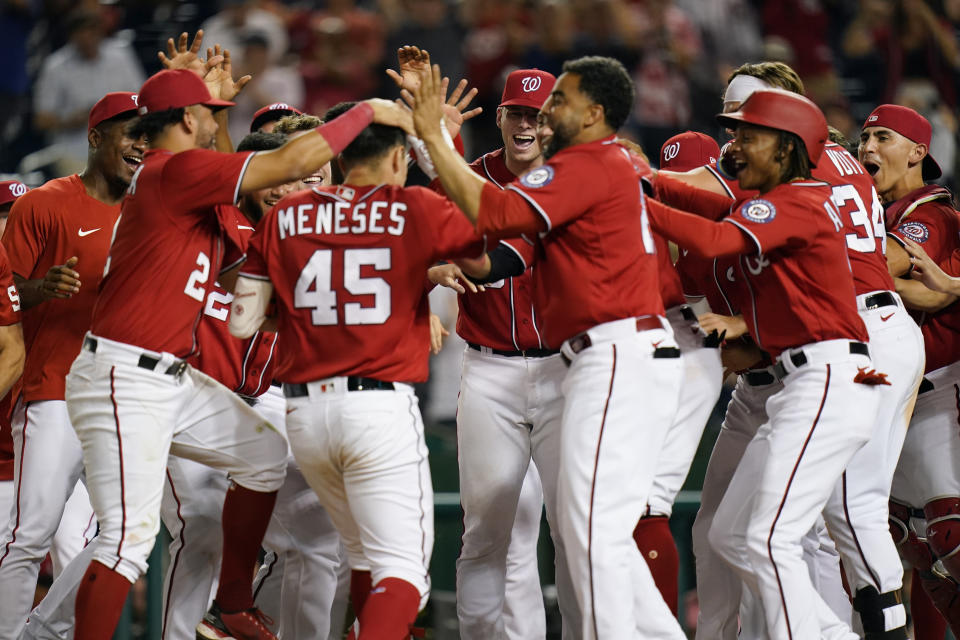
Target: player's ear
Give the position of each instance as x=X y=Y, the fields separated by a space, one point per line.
x=594 y=115
x=918 y=153
x=189 y=120
x=94 y=138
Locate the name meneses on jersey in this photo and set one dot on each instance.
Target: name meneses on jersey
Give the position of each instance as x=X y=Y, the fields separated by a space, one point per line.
x=374 y=216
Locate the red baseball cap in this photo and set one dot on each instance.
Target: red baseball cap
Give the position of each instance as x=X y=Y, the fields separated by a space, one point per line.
x=175 y=88
x=111 y=105
x=10 y=190
x=527 y=88
x=271 y=113
x=688 y=150
x=909 y=124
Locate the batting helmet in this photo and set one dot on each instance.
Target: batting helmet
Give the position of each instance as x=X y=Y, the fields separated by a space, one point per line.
x=784 y=111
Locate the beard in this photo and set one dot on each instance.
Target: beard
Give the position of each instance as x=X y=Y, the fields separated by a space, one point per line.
x=559 y=140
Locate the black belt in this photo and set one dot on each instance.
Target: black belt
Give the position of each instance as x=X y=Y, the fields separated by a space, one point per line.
x=354 y=383
x=523 y=353
x=145 y=362
x=759 y=378
x=582 y=341
x=925 y=385
x=882 y=299
x=799 y=358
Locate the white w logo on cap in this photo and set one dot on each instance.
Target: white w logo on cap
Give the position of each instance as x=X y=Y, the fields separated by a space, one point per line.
x=671 y=151
x=531 y=83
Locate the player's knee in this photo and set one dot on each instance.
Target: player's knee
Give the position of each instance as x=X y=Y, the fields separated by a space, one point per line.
x=724 y=543
x=899 y=522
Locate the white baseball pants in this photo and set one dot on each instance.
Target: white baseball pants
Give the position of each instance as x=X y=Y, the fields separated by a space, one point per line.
x=816 y=424
x=48 y=465
x=699 y=390
x=508 y=414
x=619 y=402
x=364 y=454
x=129 y=419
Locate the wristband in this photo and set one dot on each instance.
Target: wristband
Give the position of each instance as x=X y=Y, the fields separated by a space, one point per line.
x=342 y=130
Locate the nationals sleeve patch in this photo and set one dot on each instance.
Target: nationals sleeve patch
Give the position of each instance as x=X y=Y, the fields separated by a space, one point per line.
x=916 y=231
x=539 y=177
x=760 y=211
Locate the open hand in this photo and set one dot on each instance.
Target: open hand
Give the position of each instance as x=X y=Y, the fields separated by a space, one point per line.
x=219 y=77
x=179 y=56
x=411 y=61
x=929 y=272
x=452 y=277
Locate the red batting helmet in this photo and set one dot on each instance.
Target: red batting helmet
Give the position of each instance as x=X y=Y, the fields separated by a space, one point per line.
x=784 y=111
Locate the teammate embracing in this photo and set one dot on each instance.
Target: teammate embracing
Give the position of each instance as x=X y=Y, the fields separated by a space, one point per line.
x=346 y=265
x=130 y=385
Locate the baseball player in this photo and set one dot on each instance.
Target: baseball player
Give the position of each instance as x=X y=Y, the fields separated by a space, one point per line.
x=606 y=317
x=514 y=420
x=700 y=387
x=266 y=118
x=10 y=190
x=925 y=498
x=11 y=351
x=57 y=237
x=829 y=401
x=130 y=382
x=346 y=265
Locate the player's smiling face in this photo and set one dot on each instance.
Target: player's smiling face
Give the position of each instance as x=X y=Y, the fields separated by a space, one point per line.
x=754 y=152
x=256 y=204
x=518 y=125
x=888 y=157
x=121 y=153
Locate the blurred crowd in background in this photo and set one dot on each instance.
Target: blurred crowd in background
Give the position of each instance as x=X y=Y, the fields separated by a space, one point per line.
x=60 y=56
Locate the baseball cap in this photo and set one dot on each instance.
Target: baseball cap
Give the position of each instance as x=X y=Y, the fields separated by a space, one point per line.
x=688 y=150
x=175 y=88
x=111 y=105
x=10 y=190
x=911 y=125
x=527 y=88
x=272 y=112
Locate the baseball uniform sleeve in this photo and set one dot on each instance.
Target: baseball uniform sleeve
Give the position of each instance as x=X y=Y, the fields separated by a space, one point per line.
x=556 y=190
x=771 y=224
x=258 y=249
x=200 y=178
x=9 y=298
x=700 y=236
x=235 y=238
x=927 y=226
x=24 y=238
x=450 y=234
x=679 y=194
x=523 y=247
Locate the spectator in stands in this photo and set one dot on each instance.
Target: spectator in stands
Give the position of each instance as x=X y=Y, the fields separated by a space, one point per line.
x=239 y=18
x=73 y=78
x=16 y=21
x=271 y=83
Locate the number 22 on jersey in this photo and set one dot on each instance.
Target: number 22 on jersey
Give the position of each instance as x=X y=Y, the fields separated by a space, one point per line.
x=315 y=288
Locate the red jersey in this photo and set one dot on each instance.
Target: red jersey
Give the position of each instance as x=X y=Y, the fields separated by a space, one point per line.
x=169 y=246
x=46 y=227
x=9 y=314
x=800 y=289
x=927 y=217
x=502 y=317
x=855 y=197
x=595 y=262
x=347 y=265
x=244 y=366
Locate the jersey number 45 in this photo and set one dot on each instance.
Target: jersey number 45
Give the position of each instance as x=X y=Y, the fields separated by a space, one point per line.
x=314 y=289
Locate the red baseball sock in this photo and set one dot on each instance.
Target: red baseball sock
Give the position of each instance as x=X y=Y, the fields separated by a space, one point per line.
x=655 y=542
x=389 y=611
x=361 y=583
x=246 y=514
x=100 y=601
x=928 y=623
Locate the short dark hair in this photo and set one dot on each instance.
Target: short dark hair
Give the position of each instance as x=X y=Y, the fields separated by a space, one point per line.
x=607 y=83
x=153 y=124
x=260 y=141
x=371 y=143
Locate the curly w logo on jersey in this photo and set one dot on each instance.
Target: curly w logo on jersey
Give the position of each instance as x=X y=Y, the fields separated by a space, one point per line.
x=916 y=231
